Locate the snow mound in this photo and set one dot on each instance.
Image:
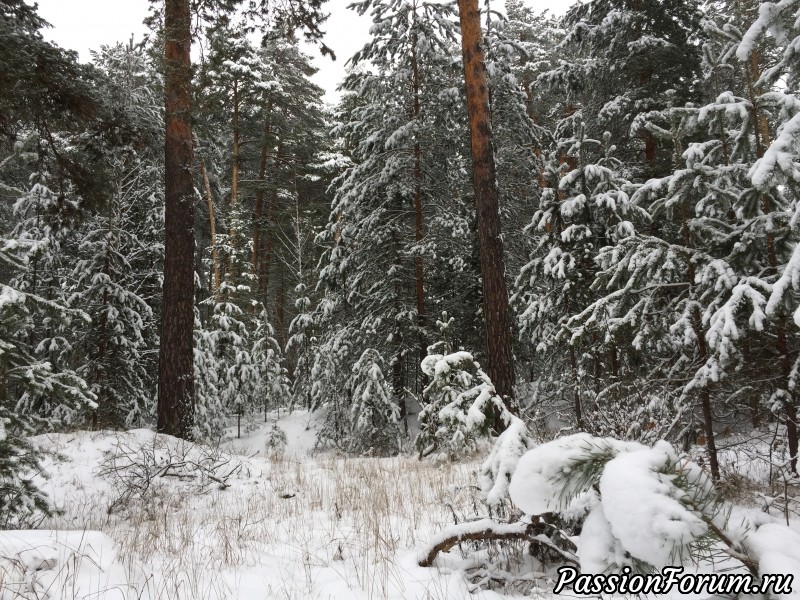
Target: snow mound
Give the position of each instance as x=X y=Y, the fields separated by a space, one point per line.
x=777 y=549
x=34 y=563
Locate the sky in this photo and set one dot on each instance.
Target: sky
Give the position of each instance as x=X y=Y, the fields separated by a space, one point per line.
x=85 y=25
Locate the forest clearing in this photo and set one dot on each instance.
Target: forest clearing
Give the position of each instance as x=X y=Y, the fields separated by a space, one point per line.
x=512 y=310
x=261 y=518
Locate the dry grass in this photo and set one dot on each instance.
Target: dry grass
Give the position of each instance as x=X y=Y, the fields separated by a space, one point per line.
x=292 y=529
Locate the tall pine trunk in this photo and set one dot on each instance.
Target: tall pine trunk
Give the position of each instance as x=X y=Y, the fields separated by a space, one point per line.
x=262 y=174
x=235 y=126
x=272 y=207
x=418 y=226
x=175 y=369
x=495 y=293
x=212 y=227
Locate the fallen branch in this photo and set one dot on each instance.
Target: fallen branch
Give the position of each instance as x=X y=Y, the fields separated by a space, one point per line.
x=490 y=530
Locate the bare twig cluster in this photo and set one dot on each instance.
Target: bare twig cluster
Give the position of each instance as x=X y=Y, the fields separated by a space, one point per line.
x=136 y=468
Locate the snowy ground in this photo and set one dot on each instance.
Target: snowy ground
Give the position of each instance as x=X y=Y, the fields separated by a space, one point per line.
x=152 y=517
x=284 y=526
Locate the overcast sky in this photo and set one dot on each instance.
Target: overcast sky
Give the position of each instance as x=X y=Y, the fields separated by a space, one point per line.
x=85 y=25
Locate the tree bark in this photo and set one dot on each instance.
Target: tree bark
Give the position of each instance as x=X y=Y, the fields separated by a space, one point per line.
x=175 y=369
x=272 y=207
x=280 y=309
x=534 y=532
x=235 y=126
x=212 y=224
x=495 y=293
x=262 y=174
x=418 y=227
x=702 y=354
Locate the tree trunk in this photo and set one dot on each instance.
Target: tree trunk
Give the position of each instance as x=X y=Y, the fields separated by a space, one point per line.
x=262 y=174
x=702 y=353
x=495 y=293
x=232 y=205
x=212 y=224
x=175 y=369
x=280 y=308
x=235 y=126
x=705 y=400
x=417 y=173
x=272 y=206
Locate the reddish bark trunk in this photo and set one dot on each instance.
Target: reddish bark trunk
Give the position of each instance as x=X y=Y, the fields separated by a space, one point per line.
x=235 y=125
x=271 y=208
x=175 y=370
x=495 y=293
x=280 y=309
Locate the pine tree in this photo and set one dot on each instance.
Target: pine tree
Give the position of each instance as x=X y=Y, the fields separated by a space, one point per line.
x=626 y=59
x=176 y=370
x=584 y=207
x=118 y=253
x=459 y=403
x=375 y=271
x=638 y=508
x=271 y=382
x=211 y=415
x=103 y=282
x=35 y=393
x=374 y=419
x=495 y=294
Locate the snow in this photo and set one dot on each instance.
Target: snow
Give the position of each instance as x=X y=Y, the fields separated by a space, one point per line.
x=301 y=436
x=598 y=549
x=52 y=564
x=642 y=507
x=471 y=527
x=9 y=296
x=288 y=525
x=777 y=549
x=779 y=162
x=790 y=278
x=305 y=524
x=767 y=13
x=502 y=462
x=540 y=485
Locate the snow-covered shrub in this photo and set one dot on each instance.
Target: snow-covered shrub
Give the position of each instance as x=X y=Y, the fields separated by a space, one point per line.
x=20 y=499
x=36 y=391
x=460 y=405
x=271 y=387
x=644 y=418
x=374 y=418
x=455 y=405
x=275 y=440
x=639 y=507
x=210 y=413
x=502 y=461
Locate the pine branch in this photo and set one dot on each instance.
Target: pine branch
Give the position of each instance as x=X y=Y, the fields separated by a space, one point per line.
x=491 y=530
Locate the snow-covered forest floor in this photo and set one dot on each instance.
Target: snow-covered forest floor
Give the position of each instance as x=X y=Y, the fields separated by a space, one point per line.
x=286 y=525
x=146 y=516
